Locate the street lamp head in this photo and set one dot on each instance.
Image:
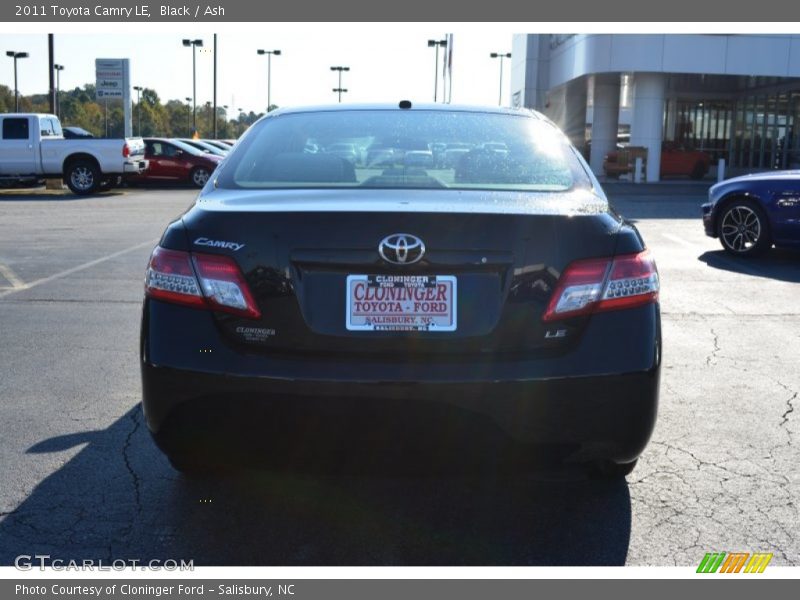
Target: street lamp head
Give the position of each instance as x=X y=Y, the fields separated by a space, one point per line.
x=188 y=99
x=431 y=43
x=197 y=42
x=138 y=88
x=276 y=52
x=187 y=42
x=261 y=51
x=58 y=67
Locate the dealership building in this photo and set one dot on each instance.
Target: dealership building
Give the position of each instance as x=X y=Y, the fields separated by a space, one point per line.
x=734 y=97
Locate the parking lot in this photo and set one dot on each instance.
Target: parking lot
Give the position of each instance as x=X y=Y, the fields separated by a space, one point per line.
x=82 y=479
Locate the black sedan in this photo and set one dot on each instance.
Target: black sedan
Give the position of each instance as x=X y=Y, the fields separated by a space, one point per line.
x=750 y=214
x=308 y=302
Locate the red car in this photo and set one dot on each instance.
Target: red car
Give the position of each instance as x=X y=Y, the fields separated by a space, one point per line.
x=675 y=160
x=172 y=160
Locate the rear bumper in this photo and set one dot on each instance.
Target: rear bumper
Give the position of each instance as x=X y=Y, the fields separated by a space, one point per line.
x=595 y=411
x=134 y=167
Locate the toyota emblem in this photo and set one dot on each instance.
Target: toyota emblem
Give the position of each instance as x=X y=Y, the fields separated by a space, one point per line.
x=401 y=249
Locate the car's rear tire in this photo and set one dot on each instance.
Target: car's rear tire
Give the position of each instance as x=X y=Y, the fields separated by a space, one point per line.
x=82 y=177
x=199 y=176
x=743 y=229
x=699 y=170
x=608 y=469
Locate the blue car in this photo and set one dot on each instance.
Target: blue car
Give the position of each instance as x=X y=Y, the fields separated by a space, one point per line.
x=752 y=213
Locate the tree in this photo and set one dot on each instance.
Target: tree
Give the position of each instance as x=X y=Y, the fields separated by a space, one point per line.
x=80 y=108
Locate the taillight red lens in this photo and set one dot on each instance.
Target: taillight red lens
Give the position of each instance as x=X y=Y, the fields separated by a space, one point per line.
x=602 y=284
x=200 y=281
x=170 y=277
x=126 y=151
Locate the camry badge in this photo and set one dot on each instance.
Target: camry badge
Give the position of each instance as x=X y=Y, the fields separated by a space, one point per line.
x=401 y=249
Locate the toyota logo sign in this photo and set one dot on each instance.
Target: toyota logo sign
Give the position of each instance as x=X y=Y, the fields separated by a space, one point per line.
x=401 y=249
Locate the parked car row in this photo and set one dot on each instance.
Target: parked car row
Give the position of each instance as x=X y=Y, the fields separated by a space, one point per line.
x=401 y=152
x=180 y=160
x=34 y=147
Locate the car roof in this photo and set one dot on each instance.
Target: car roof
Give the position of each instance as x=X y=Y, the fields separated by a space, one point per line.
x=22 y=114
x=428 y=106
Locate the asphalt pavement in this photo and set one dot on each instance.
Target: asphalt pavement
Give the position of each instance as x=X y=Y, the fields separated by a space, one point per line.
x=81 y=478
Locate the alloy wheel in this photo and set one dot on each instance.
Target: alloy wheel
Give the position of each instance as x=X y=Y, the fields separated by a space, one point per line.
x=741 y=228
x=82 y=178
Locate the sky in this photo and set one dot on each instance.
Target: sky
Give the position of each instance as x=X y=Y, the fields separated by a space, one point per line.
x=388 y=63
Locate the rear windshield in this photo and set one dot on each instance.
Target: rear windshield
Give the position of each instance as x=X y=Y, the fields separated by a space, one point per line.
x=403 y=149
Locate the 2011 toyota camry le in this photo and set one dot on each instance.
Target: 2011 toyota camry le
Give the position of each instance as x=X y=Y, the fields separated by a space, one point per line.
x=309 y=301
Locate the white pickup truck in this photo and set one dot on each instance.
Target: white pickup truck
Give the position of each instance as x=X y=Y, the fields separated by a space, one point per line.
x=32 y=147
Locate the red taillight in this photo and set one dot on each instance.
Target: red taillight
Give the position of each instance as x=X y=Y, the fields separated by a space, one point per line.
x=126 y=151
x=199 y=280
x=602 y=284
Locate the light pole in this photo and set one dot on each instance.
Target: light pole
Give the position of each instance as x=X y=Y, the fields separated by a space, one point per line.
x=138 y=89
x=194 y=44
x=58 y=69
x=340 y=89
x=436 y=44
x=269 y=54
x=16 y=56
x=188 y=115
x=501 y=56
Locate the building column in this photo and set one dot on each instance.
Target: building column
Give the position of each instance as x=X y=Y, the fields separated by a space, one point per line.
x=575 y=114
x=605 y=119
x=647 y=125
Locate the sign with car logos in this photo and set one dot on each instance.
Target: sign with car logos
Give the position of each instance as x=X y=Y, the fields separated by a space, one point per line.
x=401 y=303
x=112 y=82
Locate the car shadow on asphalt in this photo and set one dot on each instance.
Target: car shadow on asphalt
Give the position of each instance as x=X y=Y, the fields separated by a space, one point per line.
x=779 y=263
x=6 y=196
x=118 y=498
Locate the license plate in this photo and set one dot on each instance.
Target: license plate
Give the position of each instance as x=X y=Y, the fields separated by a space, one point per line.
x=401 y=303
